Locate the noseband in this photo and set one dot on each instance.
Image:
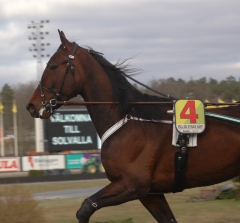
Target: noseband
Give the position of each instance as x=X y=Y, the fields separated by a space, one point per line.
x=49 y=105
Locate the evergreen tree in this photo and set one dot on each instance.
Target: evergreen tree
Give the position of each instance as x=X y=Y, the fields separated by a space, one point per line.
x=7 y=101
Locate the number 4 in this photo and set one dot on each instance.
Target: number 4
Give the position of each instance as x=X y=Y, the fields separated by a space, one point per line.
x=192 y=115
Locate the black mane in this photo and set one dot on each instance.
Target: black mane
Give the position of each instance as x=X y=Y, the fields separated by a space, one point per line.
x=125 y=93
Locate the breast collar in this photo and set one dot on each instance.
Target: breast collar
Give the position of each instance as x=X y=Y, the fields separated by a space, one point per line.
x=123 y=121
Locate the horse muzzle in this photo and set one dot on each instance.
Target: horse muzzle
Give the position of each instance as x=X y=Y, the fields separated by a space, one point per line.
x=32 y=110
x=38 y=114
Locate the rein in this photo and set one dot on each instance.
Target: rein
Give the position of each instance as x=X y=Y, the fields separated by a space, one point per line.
x=69 y=103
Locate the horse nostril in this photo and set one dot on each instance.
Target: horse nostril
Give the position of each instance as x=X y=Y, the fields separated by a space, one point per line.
x=31 y=108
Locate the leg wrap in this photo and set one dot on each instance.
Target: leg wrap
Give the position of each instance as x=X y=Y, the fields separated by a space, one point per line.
x=94 y=205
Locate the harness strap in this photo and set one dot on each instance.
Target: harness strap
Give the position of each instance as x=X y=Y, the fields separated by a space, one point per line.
x=63 y=79
x=52 y=92
x=223 y=117
x=123 y=121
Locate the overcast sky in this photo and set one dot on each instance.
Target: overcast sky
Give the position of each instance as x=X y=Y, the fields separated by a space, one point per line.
x=167 y=38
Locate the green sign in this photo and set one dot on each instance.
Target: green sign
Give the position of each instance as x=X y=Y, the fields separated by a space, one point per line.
x=74 y=161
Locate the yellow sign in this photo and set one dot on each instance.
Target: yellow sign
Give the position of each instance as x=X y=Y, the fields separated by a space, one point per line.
x=189 y=116
x=14 y=107
x=210 y=106
x=221 y=101
x=1 y=108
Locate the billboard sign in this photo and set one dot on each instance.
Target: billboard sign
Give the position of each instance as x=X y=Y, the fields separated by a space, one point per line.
x=70 y=130
x=45 y=162
x=9 y=164
x=76 y=161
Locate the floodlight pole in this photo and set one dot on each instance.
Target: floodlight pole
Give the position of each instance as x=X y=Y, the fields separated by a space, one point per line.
x=38 y=46
x=37 y=36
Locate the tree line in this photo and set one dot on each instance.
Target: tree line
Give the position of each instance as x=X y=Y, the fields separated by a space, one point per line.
x=201 y=89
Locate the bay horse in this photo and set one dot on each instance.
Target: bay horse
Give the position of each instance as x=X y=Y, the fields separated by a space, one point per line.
x=138 y=157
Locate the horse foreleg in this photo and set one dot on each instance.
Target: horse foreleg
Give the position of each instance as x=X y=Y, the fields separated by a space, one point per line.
x=157 y=205
x=112 y=194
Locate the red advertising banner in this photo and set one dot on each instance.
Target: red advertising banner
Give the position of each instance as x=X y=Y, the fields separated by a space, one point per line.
x=9 y=164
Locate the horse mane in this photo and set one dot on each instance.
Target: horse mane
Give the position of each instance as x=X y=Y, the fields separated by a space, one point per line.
x=125 y=93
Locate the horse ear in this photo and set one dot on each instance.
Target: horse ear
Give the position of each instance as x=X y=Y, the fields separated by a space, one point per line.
x=63 y=38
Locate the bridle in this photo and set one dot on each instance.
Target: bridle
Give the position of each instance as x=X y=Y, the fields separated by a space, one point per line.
x=50 y=106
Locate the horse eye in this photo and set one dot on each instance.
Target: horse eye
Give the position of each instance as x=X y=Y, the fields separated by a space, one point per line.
x=53 y=67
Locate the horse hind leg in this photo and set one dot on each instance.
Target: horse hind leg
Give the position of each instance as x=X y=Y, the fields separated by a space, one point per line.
x=157 y=205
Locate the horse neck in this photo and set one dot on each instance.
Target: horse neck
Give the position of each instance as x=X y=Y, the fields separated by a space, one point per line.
x=97 y=87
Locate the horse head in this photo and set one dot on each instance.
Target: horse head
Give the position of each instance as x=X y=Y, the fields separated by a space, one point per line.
x=58 y=82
